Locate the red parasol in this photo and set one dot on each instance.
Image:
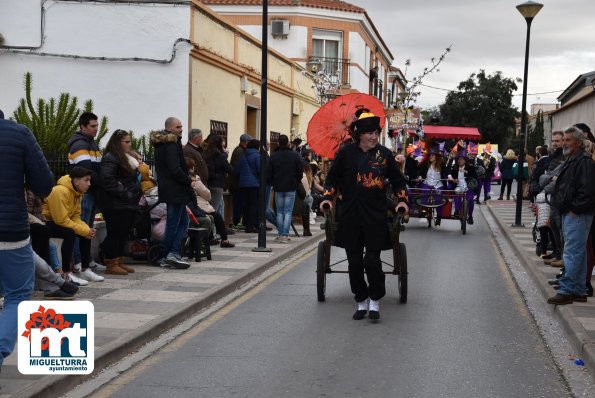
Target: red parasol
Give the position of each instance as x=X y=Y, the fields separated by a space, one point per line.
x=329 y=127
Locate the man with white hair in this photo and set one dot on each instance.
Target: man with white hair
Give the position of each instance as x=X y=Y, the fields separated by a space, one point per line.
x=574 y=197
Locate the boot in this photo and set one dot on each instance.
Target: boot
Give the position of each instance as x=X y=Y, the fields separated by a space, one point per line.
x=306 y=225
x=111 y=265
x=125 y=267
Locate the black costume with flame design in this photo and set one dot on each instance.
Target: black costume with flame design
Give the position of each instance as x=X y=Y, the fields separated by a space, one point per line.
x=360 y=177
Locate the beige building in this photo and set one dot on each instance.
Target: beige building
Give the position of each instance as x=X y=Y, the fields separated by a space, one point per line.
x=577 y=104
x=329 y=36
x=225 y=83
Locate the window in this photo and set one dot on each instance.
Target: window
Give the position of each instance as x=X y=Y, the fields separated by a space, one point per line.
x=326 y=46
x=274 y=141
x=220 y=128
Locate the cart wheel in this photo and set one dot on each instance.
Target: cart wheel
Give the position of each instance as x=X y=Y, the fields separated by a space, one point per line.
x=463 y=216
x=402 y=278
x=155 y=254
x=320 y=272
x=538 y=250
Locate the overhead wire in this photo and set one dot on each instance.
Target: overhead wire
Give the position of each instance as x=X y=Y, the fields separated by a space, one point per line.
x=445 y=89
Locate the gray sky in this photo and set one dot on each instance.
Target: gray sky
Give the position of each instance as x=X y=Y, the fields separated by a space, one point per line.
x=490 y=35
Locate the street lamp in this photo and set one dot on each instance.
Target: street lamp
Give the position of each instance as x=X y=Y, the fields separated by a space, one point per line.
x=528 y=10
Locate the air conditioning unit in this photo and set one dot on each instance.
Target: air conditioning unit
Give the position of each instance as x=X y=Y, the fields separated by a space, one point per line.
x=280 y=28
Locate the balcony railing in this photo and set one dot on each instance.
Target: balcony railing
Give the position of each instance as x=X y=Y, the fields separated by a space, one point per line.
x=336 y=67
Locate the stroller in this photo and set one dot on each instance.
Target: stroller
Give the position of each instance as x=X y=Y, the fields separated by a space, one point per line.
x=141 y=244
x=541 y=227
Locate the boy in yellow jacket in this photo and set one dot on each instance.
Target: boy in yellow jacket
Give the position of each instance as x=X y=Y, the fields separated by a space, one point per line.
x=62 y=211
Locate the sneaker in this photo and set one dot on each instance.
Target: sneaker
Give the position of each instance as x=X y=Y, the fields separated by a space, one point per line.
x=69 y=287
x=230 y=231
x=174 y=260
x=96 y=266
x=59 y=295
x=90 y=276
x=71 y=277
x=279 y=239
x=77 y=267
x=238 y=227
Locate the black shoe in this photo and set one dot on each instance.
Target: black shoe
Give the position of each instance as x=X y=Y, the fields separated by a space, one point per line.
x=374 y=315
x=214 y=242
x=556 y=287
x=553 y=282
x=230 y=231
x=589 y=290
x=550 y=256
x=269 y=228
x=579 y=298
x=500 y=198
x=561 y=299
x=307 y=232
x=477 y=201
x=359 y=315
x=455 y=214
x=69 y=287
x=59 y=295
x=470 y=220
x=437 y=222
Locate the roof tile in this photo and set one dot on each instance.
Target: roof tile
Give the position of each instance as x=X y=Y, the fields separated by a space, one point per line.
x=336 y=5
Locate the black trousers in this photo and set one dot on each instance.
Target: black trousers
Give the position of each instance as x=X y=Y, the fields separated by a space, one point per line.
x=250 y=196
x=219 y=225
x=118 y=223
x=67 y=235
x=371 y=264
x=505 y=182
x=40 y=241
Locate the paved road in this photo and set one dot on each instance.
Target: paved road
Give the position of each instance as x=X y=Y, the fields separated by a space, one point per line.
x=464 y=332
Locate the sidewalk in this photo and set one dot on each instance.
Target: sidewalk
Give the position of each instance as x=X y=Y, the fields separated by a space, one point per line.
x=134 y=309
x=577 y=319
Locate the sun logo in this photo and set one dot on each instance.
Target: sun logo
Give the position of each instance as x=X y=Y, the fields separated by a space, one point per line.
x=369 y=181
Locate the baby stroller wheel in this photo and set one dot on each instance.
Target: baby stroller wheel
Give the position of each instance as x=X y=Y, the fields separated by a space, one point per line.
x=155 y=254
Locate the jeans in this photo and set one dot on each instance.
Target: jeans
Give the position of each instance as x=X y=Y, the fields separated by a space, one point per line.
x=88 y=212
x=175 y=228
x=17 y=275
x=54 y=259
x=576 y=230
x=284 y=204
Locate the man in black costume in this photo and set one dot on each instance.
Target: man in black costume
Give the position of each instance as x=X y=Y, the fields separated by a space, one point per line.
x=358 y=173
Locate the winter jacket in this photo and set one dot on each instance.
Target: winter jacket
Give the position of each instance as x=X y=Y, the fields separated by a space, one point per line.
x=146 y=181
x=218 y=168
x=173 y=181
x=203 y=196
x=233 y=178
x=120 y=189
x=83 y=151
x=249 y=169
x=556 y=159
x=285 y=169
x=575 y=190
x=21 y=161
x=506 y=168
x=200 y=166
x=63 y=207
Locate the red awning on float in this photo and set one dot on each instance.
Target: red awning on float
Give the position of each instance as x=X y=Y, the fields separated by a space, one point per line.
x=452 y=132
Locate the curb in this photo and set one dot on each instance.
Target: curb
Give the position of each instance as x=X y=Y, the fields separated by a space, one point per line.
x=575 y=332
x=108 y=355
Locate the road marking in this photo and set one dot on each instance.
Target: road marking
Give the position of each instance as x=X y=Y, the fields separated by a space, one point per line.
x=128 y=375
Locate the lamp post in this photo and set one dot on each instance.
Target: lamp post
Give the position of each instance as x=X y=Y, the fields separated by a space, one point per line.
x=262 y=204
x=528 y=10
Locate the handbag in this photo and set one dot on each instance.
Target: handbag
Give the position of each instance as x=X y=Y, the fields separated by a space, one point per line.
x=472 y=183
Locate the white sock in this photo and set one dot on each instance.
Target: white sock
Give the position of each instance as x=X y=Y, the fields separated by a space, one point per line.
x=362 y=305
x=374 y=305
